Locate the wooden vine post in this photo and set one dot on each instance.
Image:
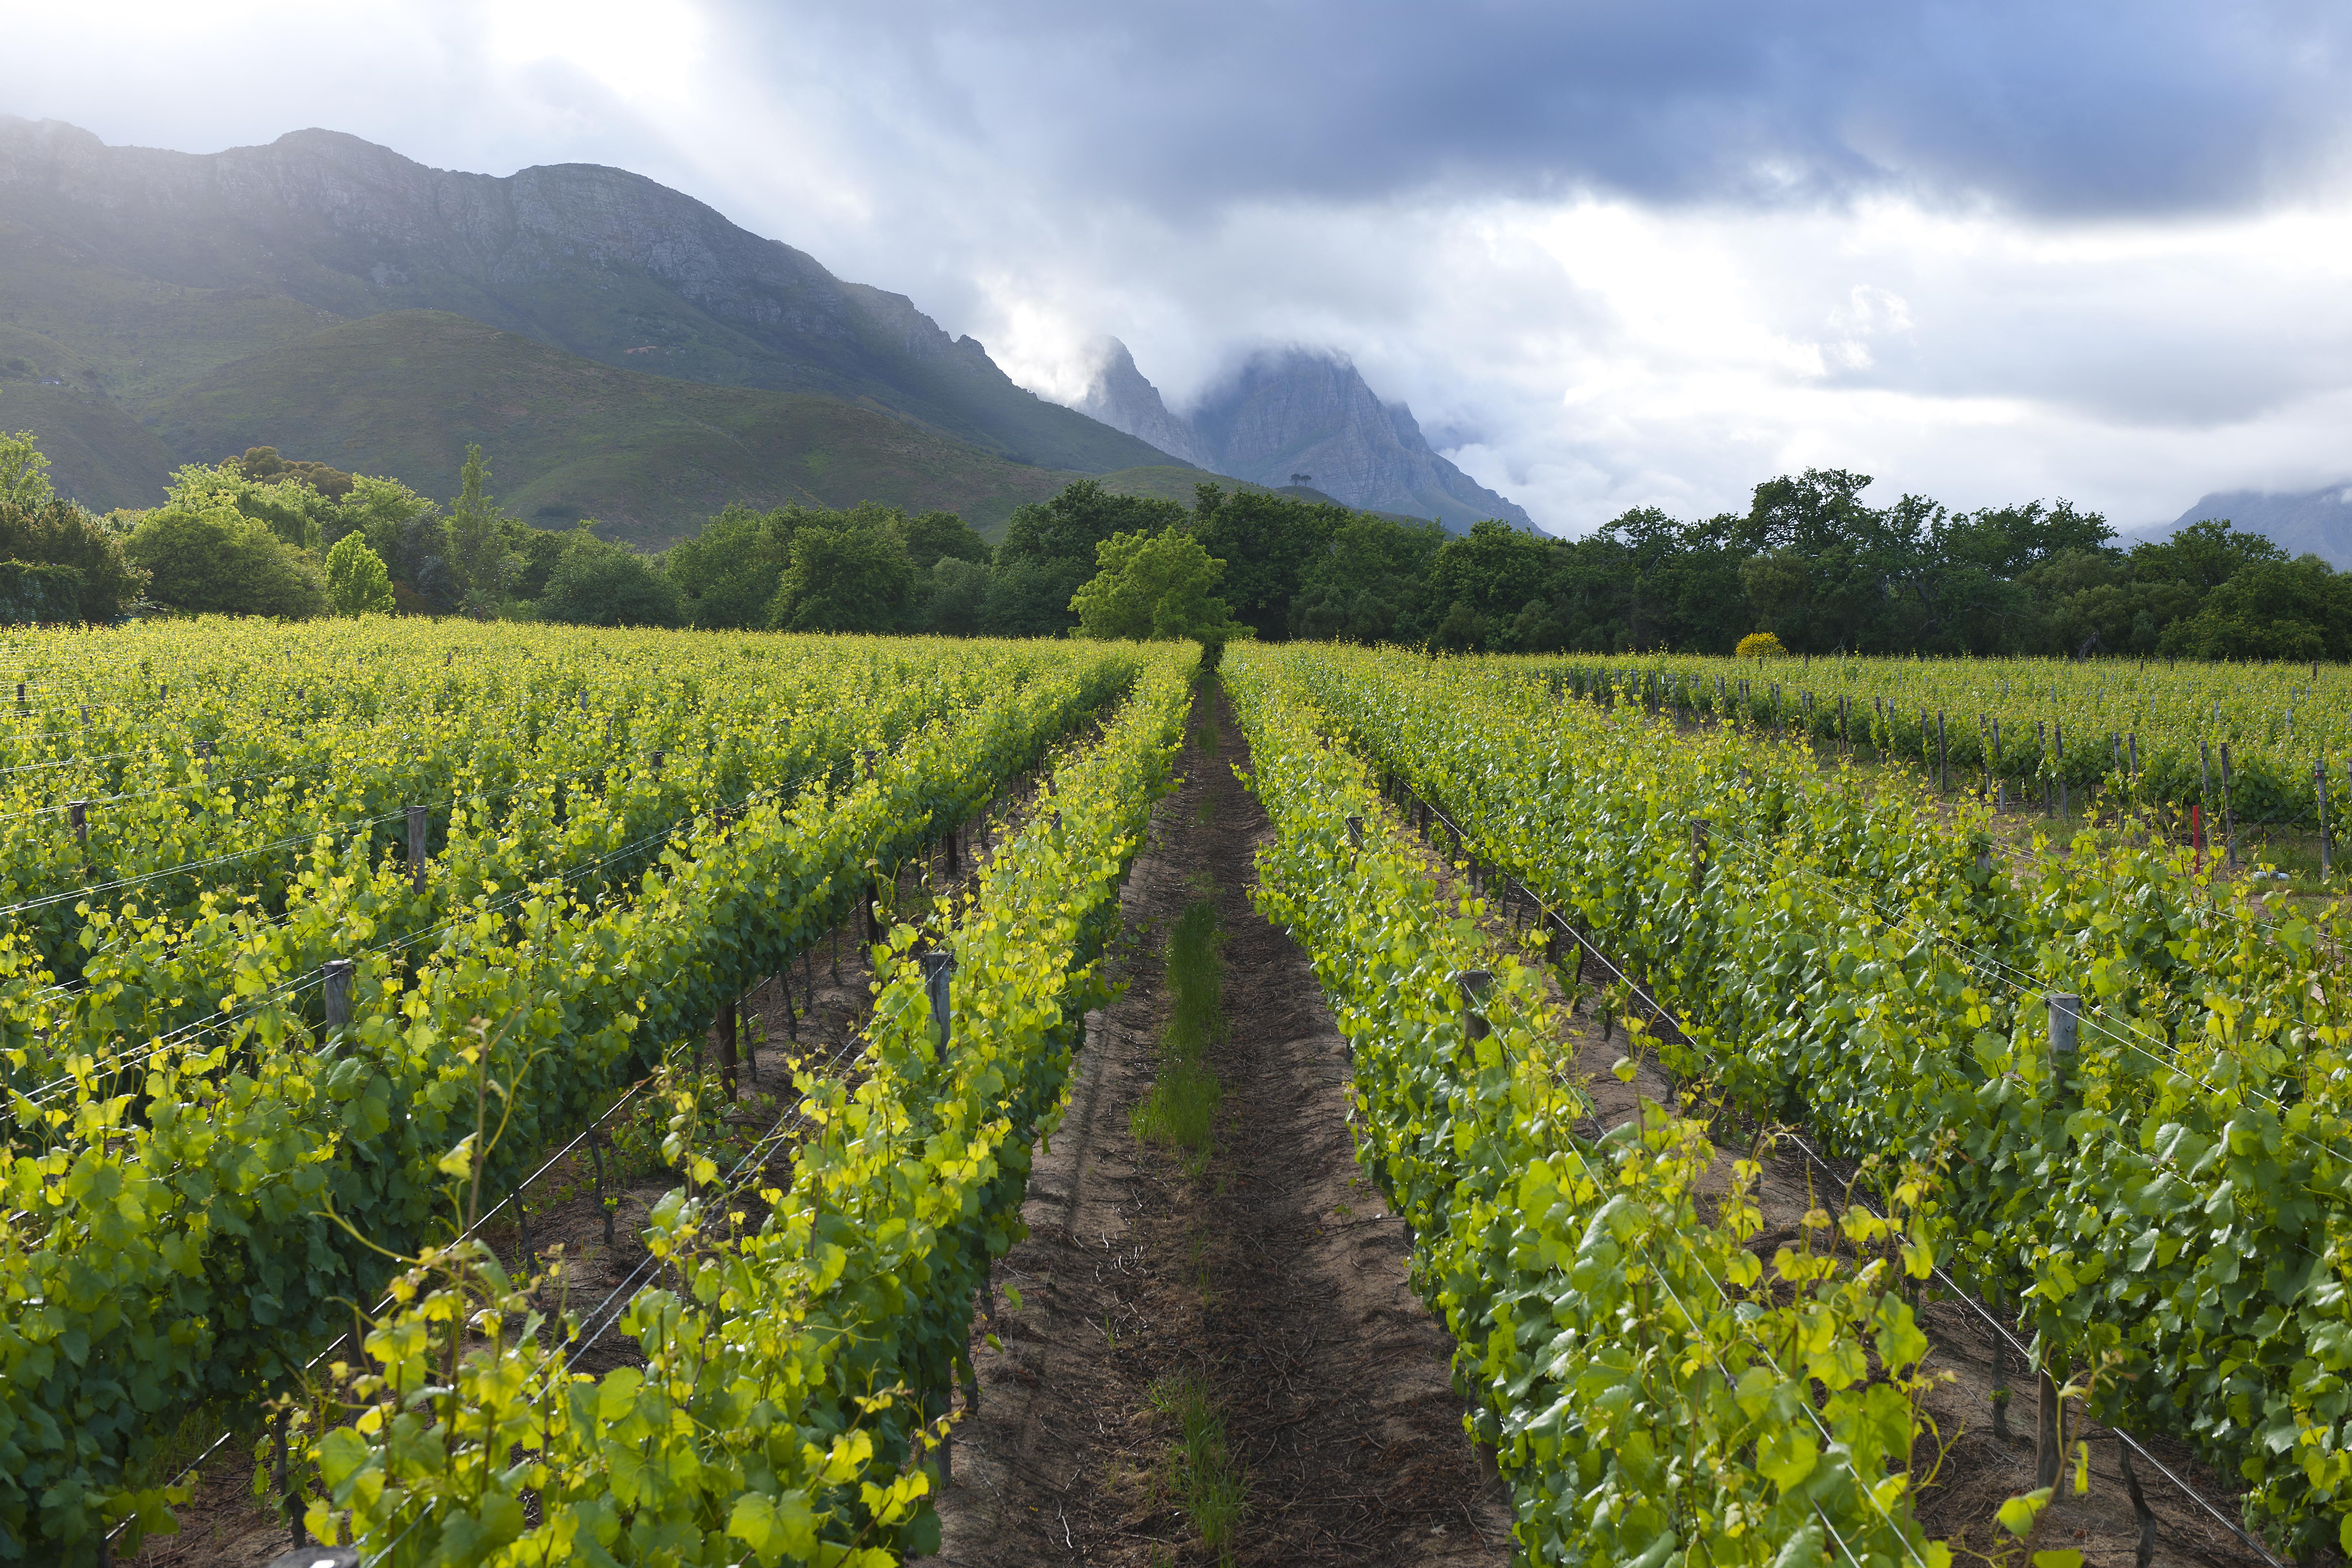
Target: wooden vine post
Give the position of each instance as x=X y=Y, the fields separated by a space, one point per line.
x=723 y=1025
x=2229 y=817
x=937 y=965
x=2319 y=793
x=417 y=831
x=286 y=1499
x=2050 y=1422
x=2001 y=779
x=938 y=976
x=335 y=980
x=1473 y=984
x=2058 y=741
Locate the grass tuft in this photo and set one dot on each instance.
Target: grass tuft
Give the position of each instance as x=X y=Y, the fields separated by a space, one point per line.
x=1181 y=1111
x=1206 y=1481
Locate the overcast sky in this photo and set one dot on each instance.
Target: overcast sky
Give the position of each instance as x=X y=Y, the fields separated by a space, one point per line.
x=1634 y=254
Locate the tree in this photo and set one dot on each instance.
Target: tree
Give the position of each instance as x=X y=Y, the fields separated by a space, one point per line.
x=1051 y=544
x=57 y=533
x=38 y=593
x=532 y=556
x=357 y=583
x=1155 y=588
x=402 y=527
x=1493 y=569
x=599 y=583
x=287 y=506
x=727 y=575
x=1025 y=600
x=1539 y=628
x=2203 y=556
x=1369 y=583
x=264 y=464
x=24 y=471
x=1266 y=542
x=478 y=550
x=935 y=536
x=219 y=562
x=2273 y=609
x=843 y=579
x=956 y=603
x=1463 y=629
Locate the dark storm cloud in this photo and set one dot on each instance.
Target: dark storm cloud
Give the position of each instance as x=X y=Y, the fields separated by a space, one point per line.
x=2096 y=109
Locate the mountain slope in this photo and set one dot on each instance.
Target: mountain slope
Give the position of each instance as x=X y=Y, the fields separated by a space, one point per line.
x=98 y=454
x=1119 y=398
x=1294 y=411
x=161 y=266
x=649 y=456
x=2314 y=522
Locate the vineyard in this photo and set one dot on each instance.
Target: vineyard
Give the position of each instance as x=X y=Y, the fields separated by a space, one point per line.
x=338 y=959
x=2267 y=745
x=2107 y=1088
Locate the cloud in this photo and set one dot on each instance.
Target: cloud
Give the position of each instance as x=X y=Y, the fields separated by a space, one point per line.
x=2110 y=107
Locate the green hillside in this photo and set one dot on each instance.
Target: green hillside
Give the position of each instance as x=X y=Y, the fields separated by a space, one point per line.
x=650 y=458
x=97 y=453
x=1164 y=482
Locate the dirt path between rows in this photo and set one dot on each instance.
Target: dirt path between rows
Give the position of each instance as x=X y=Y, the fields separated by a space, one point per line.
x=1278 y=1276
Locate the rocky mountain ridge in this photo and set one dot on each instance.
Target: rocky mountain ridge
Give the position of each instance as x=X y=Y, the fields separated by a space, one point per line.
x=163 y=265
x=1293 y=411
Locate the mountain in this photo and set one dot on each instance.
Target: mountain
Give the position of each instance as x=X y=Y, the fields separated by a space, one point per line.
x=2314 y=523
x=1119 y=398
x=1293 y=412
x=150 y=270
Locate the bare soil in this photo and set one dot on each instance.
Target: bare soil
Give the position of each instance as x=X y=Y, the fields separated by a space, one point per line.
x=1278 y=1276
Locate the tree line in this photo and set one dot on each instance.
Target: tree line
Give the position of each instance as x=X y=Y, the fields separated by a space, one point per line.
x=1809 y=561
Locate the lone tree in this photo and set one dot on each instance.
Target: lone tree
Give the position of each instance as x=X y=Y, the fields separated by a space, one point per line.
x=1154 y=587
x=358 y=583
x=477 y=547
